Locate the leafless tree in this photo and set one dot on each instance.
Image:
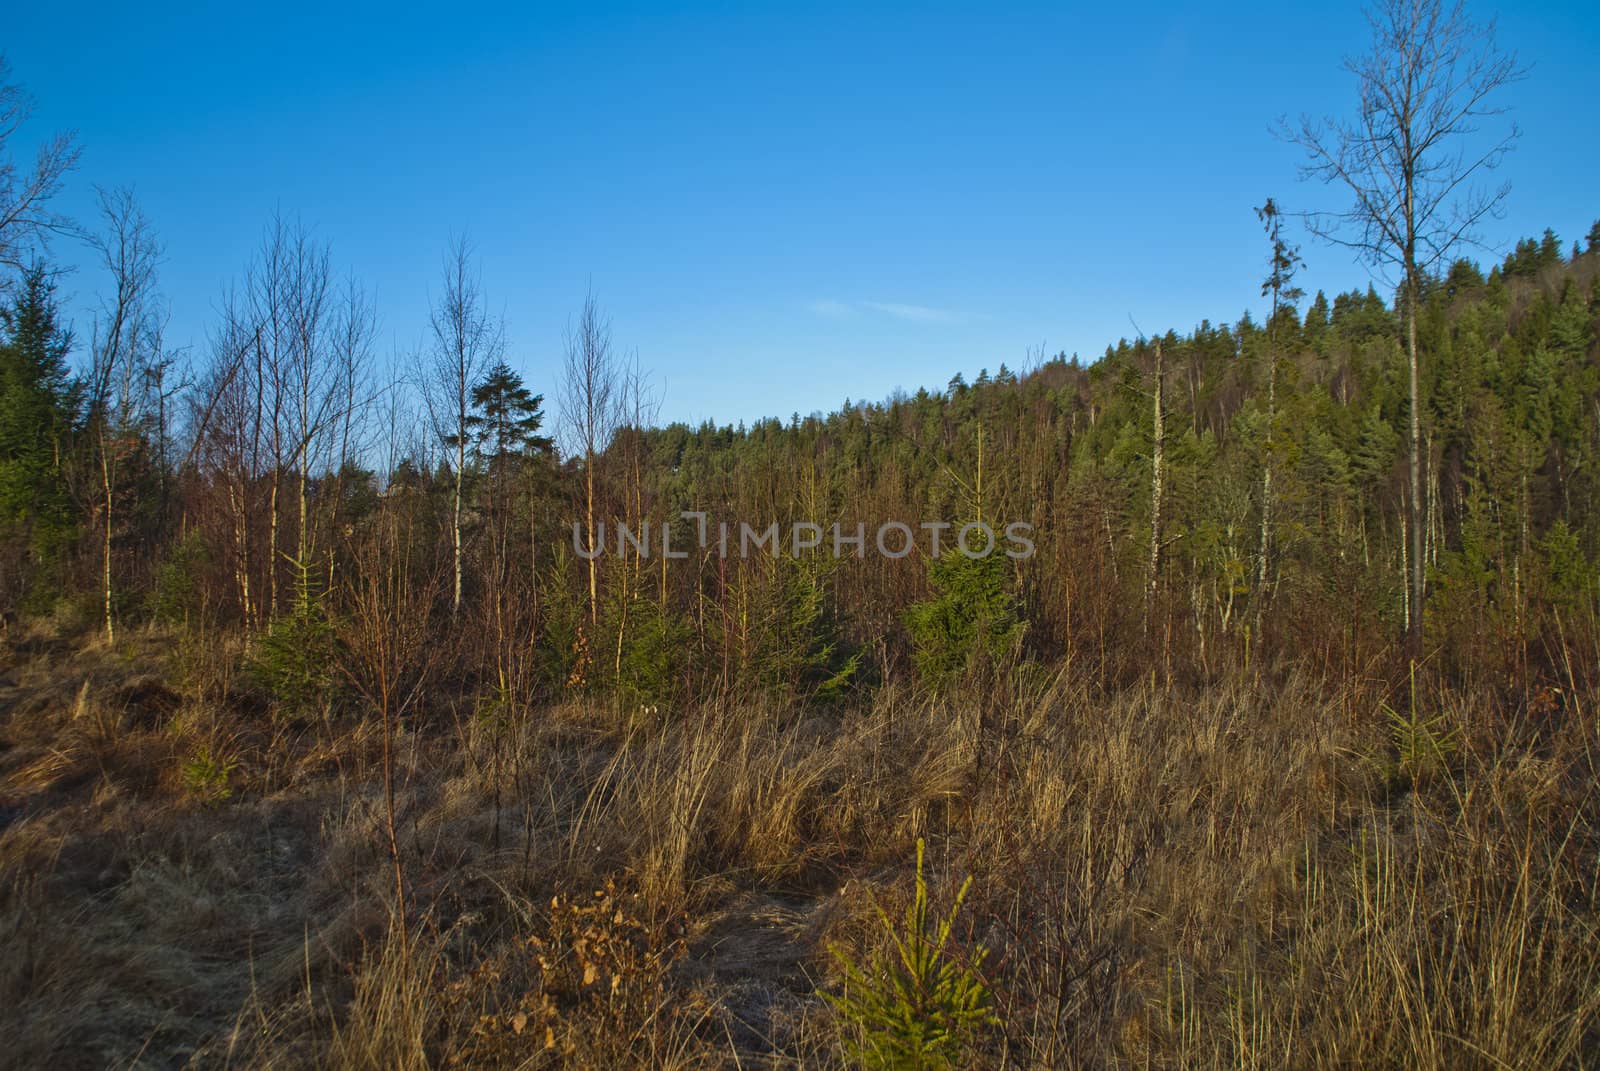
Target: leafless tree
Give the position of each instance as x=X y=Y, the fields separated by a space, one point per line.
x=225 y=422
x=390 y=652
x=281 y=400
x=310 y=377
x=288 y=313
x=267 y=299
x=591 y=411
x=289 y=288
x=638 y=406
x=166 y=379
x=351 y=391
x=26 y=220
x=465 y=343
x=126 y=346
x=401 y=437
x=1412 y=159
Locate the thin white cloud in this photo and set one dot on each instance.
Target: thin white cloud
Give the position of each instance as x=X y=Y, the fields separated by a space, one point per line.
x=834 y=310
x=919 y=314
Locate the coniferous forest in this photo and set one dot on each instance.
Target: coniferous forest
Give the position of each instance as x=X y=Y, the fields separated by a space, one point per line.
x=371 y=710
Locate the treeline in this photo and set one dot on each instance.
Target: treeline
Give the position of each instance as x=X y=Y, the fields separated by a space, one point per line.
x=1197 y=503
x=1303 y=414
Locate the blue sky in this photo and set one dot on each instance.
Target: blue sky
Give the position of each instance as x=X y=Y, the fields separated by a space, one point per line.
x=781 y=206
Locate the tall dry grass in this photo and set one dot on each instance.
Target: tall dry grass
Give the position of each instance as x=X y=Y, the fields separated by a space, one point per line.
x=1235 y=875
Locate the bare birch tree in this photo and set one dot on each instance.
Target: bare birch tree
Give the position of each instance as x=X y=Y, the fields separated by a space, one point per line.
x=310 y=379
x=1158 y=444
x=1411 y=160
x=287 y=304
x=127 y=343
x=224 y=417
x=591 y=412
x=280 y=399
x=352 y=392
x=638 y=406
x=465 y=342
x=266 y=285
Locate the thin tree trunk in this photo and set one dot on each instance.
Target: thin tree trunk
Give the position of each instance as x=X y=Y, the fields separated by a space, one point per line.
x=161 y=442
x=241 y=540
x=272 y=550
x=1266 y=483
x=1405 y=572
x=105 y=482
x=389 y=821
x=594 y=587
x=1157 y=459
x=302 y=550
x=1418 y=561
x=302 y=567
x=463 y=387
x=455 y=526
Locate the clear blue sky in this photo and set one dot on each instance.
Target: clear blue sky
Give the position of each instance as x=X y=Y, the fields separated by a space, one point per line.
x=780 y=205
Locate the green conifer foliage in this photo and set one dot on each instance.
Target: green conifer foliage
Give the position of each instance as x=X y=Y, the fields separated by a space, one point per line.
x=971 y=621
x=38 y=408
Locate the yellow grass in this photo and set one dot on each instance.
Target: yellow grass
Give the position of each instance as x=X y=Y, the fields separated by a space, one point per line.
x=1225 y=876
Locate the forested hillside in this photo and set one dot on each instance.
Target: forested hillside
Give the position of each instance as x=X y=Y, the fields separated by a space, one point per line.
x=248 y=500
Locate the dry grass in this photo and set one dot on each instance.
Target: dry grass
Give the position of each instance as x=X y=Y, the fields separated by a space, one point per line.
x=1235 y=876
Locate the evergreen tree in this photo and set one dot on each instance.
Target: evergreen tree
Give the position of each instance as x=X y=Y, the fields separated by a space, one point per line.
x=38 y=407
x=506 y=418
x=1316 y=322
x=970 y=621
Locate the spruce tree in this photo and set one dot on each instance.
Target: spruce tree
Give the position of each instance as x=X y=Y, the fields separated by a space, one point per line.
x=38 y=403
x=506 y=418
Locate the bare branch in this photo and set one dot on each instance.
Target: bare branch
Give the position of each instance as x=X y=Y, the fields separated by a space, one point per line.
x=1425 y=87
x=26 y=221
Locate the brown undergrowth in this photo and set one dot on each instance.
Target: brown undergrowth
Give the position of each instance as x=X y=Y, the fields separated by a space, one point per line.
x=1244 y=874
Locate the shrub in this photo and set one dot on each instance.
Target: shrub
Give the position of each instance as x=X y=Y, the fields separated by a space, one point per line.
x=591 y=987
x=177 y=596
x=650 y=672
x=971 y=620
x=919 y=1008
x=295 y=661
x=1425 y=747
x=206 y=775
